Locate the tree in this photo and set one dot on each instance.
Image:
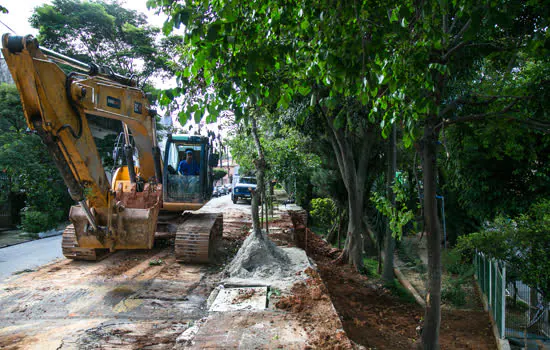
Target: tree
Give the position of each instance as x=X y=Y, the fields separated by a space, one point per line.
x=453 y=63
x=311 y=49
x=424 y=65
x=389 y=241
x=11 y=111
x=495 y=167
x=287 y=152
x=104 y=33
x=219 y=174
x=26 y=161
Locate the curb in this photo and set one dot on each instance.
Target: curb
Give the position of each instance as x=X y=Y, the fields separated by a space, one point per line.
x=405 y=283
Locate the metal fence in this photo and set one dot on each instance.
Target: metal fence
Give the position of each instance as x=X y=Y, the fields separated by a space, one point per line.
x=518 y=310
x=526 y=312
x=491 y=277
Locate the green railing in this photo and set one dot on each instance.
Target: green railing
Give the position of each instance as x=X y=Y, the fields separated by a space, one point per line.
x=523 y=313
x=491 y=277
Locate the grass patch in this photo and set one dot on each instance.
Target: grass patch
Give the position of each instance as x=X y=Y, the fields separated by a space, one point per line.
x=371 y=267
x=401 y=292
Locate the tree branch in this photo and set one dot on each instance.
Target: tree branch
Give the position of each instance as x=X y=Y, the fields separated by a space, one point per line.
x=480 y=116
x=335 y=146
x=448 y=54
x=489 y=99
x=459 y=35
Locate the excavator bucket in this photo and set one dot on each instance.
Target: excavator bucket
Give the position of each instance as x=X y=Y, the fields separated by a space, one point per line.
x=132 y=222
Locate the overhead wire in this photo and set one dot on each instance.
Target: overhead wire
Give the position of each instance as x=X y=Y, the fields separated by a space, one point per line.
x=5 y=25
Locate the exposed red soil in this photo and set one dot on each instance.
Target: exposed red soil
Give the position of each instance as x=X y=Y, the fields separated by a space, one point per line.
x=375 y=318
x=311 y=302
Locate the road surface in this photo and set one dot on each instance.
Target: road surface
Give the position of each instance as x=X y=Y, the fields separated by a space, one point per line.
x=29 y=255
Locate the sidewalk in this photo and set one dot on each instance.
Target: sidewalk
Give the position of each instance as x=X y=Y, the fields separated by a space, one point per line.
x=15 y=236
x=12 y=237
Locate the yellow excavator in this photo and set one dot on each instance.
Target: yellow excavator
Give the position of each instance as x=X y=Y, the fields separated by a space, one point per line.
x=122 y=213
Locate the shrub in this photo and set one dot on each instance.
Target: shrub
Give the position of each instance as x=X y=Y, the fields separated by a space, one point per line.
x=323 y=211
x=36 y=221
x=453 y=263
x=522 y=243
x=453 y=293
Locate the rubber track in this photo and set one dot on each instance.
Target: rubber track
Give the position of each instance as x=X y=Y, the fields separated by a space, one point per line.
x=196 y=236
x=71 y=250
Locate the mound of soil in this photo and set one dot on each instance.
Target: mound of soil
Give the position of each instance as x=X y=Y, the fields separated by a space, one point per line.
x=310 y=302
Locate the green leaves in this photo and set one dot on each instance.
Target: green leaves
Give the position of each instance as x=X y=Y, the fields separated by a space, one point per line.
x=398 y=216
x=522 y=243
x=25 y=159
x=105 y=33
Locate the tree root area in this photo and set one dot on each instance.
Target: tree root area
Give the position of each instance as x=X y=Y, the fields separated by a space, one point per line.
x=376 y=319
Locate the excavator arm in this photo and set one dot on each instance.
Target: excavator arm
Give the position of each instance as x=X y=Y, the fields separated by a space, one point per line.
x=57 y=107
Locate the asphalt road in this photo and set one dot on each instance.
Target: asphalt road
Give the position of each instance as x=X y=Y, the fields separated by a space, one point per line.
x=28 y=255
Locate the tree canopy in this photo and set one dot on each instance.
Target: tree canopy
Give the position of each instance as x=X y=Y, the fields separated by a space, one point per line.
x=365 y=67
x=105 y=33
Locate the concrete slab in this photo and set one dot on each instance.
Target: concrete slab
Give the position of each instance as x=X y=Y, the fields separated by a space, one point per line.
x=240 y=299
x=250 y=330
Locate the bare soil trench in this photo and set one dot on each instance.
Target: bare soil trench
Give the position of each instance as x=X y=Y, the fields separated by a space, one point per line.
x=376 y=319
x=124 y=302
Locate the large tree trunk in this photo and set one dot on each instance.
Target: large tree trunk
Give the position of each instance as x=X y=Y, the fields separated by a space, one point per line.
x=432 y=317
x=353 y=163
x=353 y=248
x=389 y=242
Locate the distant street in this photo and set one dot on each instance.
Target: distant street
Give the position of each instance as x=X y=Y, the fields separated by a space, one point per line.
x=28 y=255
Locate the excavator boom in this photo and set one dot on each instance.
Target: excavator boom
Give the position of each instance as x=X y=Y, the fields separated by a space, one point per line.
x=57 y=106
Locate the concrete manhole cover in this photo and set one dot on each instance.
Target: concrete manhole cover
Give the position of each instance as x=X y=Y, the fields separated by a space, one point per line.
x=240 y=299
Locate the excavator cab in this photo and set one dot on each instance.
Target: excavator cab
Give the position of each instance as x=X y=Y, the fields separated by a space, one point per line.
x=187 y=191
